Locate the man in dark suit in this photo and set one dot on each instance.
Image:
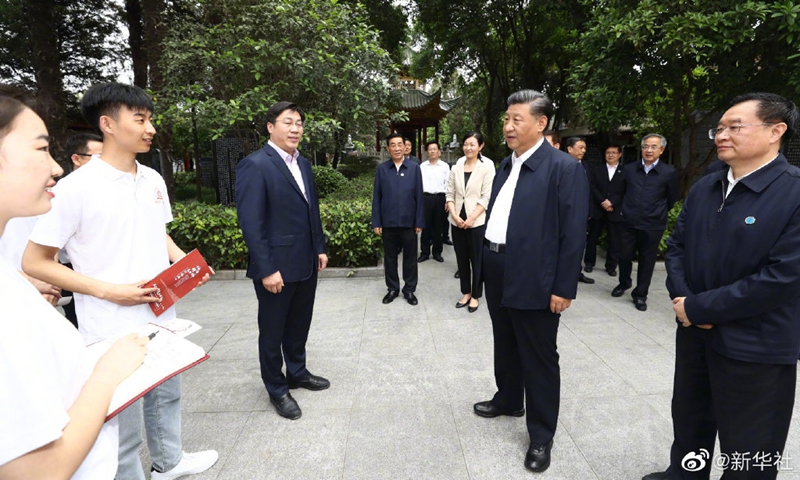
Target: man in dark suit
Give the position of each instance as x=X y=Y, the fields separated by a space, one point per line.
x=576 y=148
x=398 y=215
x=407 y=152
x=651 y=189
x=606 y=187
x=531 y=279
x=733 y=273
x=279 y=215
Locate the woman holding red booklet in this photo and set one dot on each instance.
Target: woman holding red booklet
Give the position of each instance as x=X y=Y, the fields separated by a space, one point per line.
x=53 y=402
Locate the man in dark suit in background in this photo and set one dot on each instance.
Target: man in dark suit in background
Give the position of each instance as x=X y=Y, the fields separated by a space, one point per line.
x=606 y=187
x=651 y=189
x=531 y=279
x=279 y=215
x=408 y=151
x=398 y=215
x=576 y=147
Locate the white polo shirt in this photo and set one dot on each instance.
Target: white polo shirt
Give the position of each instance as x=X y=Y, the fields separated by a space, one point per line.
x=114 y=229
x=43 y=367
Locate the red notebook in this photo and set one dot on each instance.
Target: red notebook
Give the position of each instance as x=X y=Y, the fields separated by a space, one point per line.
x=178 y=280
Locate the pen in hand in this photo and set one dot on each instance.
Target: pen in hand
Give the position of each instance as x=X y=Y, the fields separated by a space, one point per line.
x=153 y=335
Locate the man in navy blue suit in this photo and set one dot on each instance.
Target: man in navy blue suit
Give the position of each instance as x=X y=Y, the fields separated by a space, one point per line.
x=733 y=273
x=279 y=215
x=535 y=234
x=398 y=215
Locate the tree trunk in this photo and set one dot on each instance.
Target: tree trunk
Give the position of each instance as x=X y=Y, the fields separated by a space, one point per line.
x=46 y=61
x=133 y=17
x=155 y=29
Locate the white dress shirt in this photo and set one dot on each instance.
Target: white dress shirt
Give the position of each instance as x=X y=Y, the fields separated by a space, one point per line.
x=434 y=176
x=497 y=226
x=294 y=167
x=612 y=169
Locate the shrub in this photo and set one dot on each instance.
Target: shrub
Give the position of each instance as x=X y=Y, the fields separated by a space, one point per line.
x=353 y=166
x=189 y=192
x=328 y=180
x=184 y=178
x=672 y=219
x=348 y=233
x=213 y=229
x=356 y=188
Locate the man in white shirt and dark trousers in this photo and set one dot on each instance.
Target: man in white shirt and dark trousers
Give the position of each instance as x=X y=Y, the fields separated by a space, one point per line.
x=434 y=186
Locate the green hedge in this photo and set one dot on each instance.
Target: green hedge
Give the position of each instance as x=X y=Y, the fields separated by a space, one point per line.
x=348 y=233
x=672 y=219
x=214 y=230
x=328 y=180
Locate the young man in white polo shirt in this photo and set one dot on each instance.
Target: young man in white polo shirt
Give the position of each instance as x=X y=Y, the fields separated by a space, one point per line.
x=111 y=217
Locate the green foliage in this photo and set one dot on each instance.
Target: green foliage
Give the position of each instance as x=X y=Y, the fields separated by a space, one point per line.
x=185 y=178
x=353 y=166
x=213 y=229
x=672 y=220
x=356 y=188
x=228 y=61
x=328 y=180
x=348 y=233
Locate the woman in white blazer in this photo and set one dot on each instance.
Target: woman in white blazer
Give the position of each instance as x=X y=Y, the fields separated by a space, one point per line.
x=468 y=190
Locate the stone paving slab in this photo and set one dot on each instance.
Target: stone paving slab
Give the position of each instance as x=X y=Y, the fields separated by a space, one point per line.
x=404 y=379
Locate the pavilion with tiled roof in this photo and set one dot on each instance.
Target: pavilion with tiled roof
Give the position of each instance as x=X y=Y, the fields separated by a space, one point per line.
x=424 y=110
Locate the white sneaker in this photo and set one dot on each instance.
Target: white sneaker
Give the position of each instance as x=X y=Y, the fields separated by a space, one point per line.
x=190 y=464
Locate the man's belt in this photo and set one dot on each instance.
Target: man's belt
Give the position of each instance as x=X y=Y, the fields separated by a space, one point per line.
x=434 y=194
x=495 y=247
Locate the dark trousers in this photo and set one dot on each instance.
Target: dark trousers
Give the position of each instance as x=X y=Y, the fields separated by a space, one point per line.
x=396 y=240
x=643 y=243
x=525 y=356
x=445 y=228
x=596 y=226
x=432 y=233
x=749 y=404
x=283 y=322
x=468 y=245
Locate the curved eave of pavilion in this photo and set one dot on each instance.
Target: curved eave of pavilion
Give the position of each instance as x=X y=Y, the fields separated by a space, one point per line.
x=424 y=107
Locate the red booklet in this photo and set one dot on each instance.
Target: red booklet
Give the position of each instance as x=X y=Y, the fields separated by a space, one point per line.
x=178 y=280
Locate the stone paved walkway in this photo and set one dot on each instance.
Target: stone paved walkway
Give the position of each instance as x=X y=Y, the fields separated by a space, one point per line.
x=404 y=380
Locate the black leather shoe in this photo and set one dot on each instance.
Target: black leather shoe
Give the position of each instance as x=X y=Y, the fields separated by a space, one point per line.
x=422 y=258
x=612 y=272
x=473 y=309
x=410 y=298
x=390 y=295
x=311 y=382
x=462 y=305
x=588 y=269
x=488 y=410
x=619 y=290
x=538 y=457
x=656 y=476
x=640 y=303
x=584 y=279
x=286 y=407
x=457 y=275
x=447 y=241
x=438 y=258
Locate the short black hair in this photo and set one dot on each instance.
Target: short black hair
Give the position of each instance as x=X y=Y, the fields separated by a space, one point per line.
x=615 y=145
x=554 y=136
x=773 y=108
x=432 y=142
x=107 y=98
x=13 y=101
x=79 y=143
x=395 y=135
x=571 y=141
x=276 y=110
x=406 y=139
